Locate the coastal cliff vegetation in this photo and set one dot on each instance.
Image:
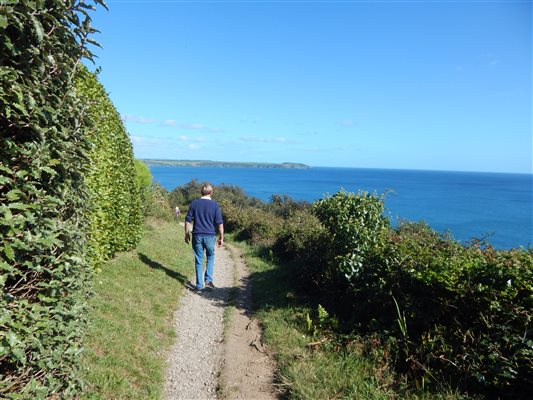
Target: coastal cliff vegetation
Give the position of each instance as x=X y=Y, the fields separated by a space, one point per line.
x=429 y=315
x=434 y=312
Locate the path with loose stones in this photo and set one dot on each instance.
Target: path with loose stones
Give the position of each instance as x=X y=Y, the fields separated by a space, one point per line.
x=205 y=363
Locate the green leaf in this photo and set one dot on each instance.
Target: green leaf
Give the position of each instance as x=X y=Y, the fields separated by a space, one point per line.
x=19 y=354
x=3 y=21
x=39 y=31
x=14 y=194
x=12 y=339
x=8 y=251
x=18 y=206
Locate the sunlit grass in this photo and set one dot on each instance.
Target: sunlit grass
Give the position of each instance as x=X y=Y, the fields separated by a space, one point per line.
x=132 y=313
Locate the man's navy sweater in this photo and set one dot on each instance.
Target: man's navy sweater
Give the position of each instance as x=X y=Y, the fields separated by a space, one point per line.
x=205 y=215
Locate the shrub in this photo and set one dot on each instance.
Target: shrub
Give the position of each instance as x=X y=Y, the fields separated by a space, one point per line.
x=184 y=194
x=114 y=192
x=283 y=205
x=234 y=218
x=144 y=181
x=143 y=175
x=303 y=242
x=158 y=203
x=301 y=231
x=259 y=227
x=232 y=194
x=458 y=314
x=43 y=198
x=357 y=228
x=467 y=311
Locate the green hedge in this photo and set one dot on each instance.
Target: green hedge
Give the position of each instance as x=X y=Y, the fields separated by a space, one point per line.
x=114 y=192
x=43 y=197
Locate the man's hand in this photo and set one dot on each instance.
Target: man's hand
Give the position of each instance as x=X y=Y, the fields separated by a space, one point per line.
x=220 y=242
x=188 y=229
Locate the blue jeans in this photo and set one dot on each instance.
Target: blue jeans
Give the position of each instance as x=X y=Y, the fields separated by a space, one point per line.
x=199 y=244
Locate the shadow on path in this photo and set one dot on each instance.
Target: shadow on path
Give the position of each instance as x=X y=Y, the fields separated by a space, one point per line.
x=155 y=265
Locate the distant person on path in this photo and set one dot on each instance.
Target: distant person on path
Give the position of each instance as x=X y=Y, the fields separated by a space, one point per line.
x=203 y=218
x=177 y=212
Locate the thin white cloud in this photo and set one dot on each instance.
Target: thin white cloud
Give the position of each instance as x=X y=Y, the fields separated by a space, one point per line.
x=193 y=146
x=280 y=139
x=176 y=124
x=253 y=120
x=192 y=126
x=137 y=119
x=200 y=139
x=253 y=139
x=347 y=122
x=183 y=138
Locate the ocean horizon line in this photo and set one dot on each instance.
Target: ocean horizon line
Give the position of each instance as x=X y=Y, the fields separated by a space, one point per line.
x=332 y=166
x=426 y=170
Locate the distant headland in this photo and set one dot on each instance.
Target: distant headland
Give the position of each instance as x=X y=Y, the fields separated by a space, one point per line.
x=222 y=164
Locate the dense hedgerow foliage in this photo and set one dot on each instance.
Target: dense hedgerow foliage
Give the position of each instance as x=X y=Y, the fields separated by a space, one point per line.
x=443 y=312
x=458 y=314
x=43 y=197
x=116 y=220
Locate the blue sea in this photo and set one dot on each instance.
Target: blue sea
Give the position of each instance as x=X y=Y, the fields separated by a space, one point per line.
x=466 y=204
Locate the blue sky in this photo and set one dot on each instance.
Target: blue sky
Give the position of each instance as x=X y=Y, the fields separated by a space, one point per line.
x=437 y=85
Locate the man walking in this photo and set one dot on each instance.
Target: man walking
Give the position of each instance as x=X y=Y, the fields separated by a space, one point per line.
x=203 y=218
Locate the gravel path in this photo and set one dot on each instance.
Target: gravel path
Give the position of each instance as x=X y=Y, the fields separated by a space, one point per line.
x=194 y=361
x=200 y=363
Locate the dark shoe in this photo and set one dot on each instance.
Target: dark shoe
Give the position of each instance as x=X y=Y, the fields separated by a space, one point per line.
x=193 y=288
x=210 y=285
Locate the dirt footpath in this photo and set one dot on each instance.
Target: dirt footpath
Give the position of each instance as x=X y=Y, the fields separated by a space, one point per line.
x=206 y=364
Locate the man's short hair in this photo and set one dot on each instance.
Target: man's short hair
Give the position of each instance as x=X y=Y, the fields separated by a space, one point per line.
x=207 y=189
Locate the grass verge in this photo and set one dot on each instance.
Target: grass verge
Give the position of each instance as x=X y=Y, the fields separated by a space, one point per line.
x=135 y=296
x=324 y=371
